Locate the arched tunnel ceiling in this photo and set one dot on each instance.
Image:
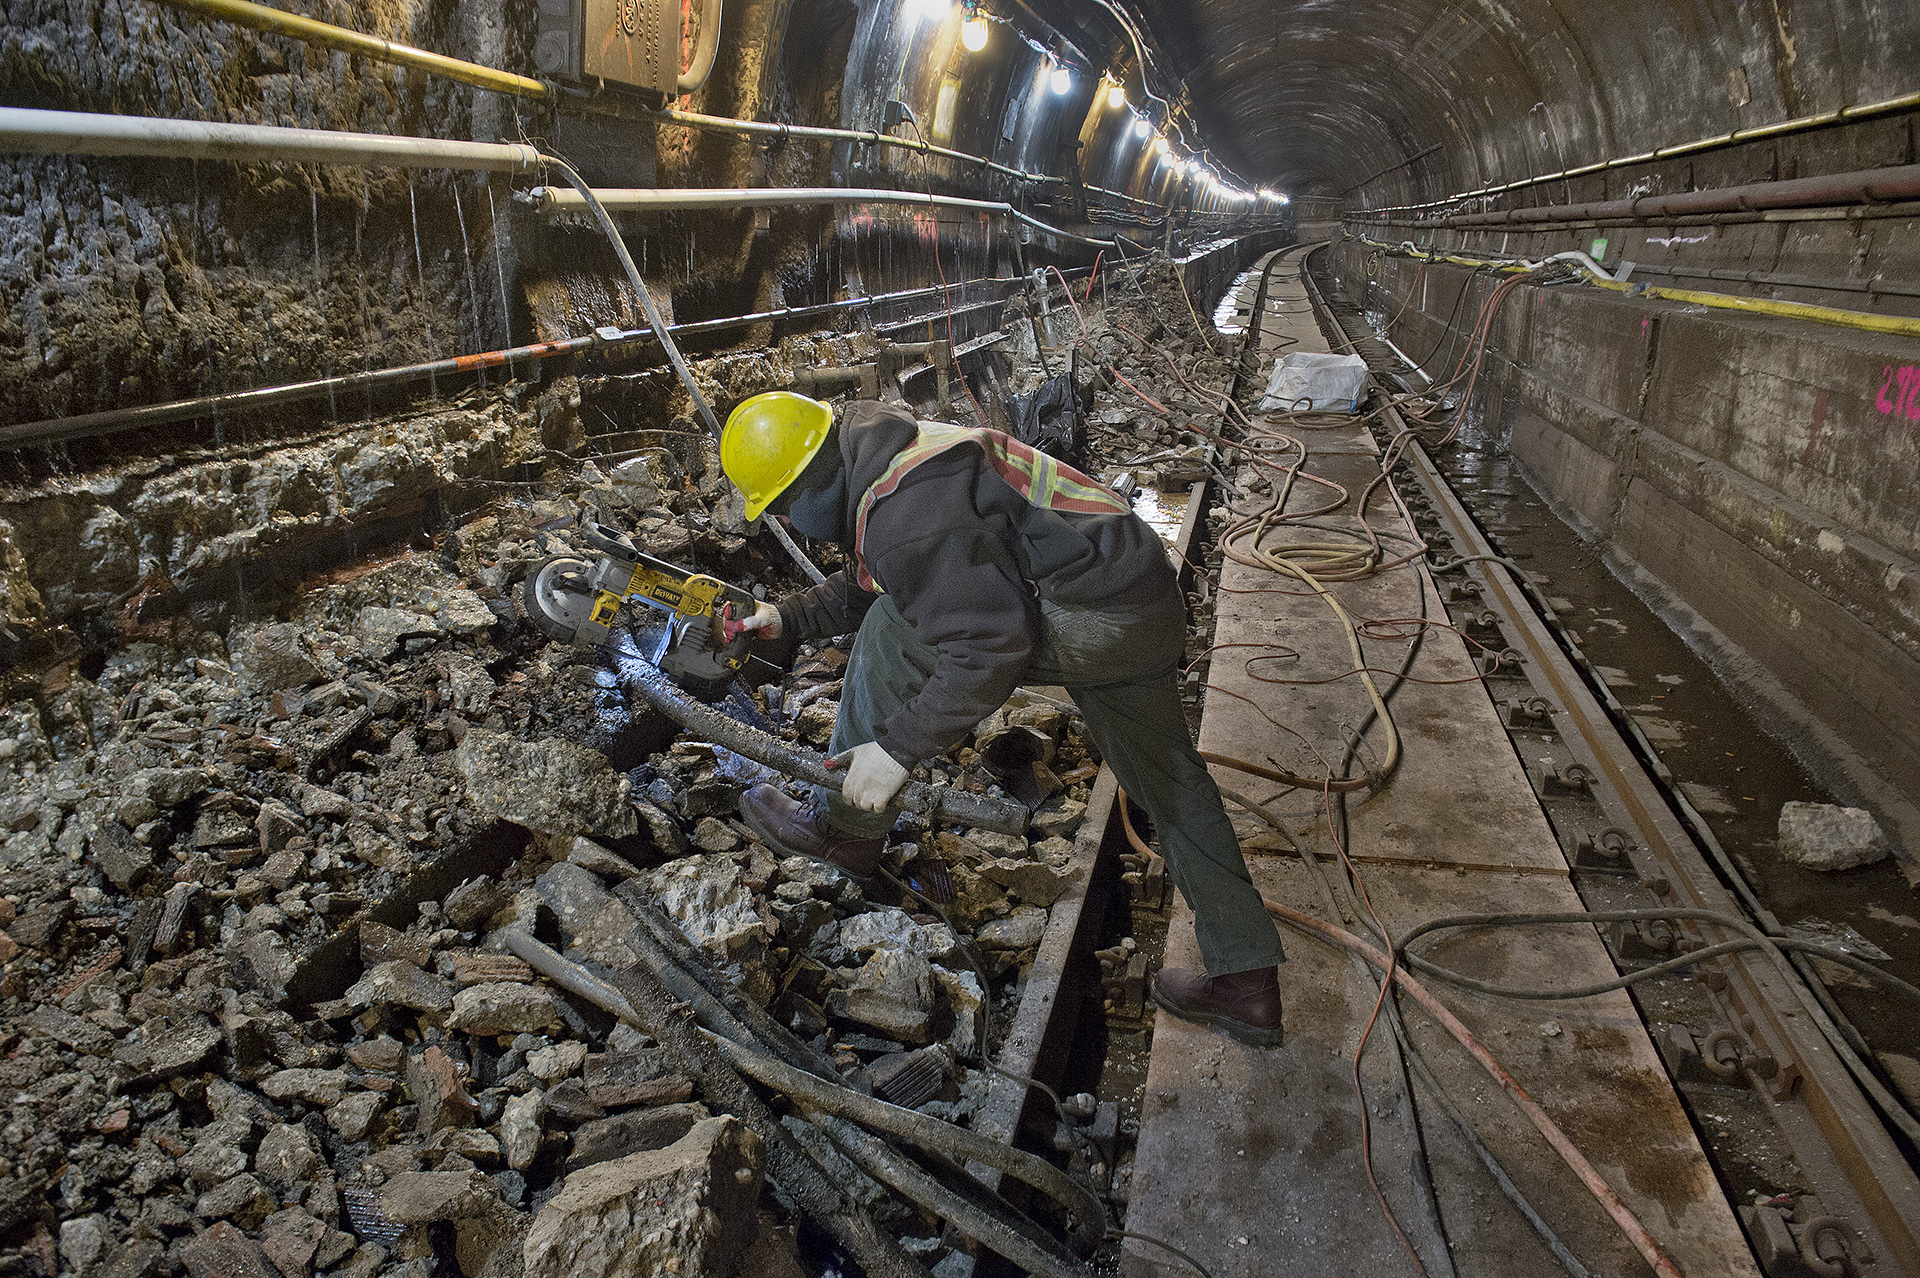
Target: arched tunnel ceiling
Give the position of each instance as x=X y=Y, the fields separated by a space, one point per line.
x=1316 y=95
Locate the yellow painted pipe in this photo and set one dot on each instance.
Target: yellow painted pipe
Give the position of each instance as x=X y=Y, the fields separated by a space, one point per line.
x=262 y=18
x=1899 y=325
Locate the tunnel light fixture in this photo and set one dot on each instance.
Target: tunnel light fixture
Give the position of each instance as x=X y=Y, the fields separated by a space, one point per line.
x=973 y=32
x=1061 y=80
x=1160 y=145
x=1266 y=193
x=1141 y=128
x=1116 y=96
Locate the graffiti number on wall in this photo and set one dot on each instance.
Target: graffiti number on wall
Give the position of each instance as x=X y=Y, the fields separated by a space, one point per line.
x=1900 y=392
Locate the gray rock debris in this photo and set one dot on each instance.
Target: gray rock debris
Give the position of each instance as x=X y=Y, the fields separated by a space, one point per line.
x=1827 y=837
x=686 y=1209
x=504 y=1007
x=893 y=993
x=551 y=786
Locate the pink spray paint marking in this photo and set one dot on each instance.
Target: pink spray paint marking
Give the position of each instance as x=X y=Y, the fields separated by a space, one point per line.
x=1904 y=383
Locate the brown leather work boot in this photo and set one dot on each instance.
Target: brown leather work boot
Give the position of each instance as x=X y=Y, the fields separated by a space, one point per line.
x=1244 y=1005
x=793 y=828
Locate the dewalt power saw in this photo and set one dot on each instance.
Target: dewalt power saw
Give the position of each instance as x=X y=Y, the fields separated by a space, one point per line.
x=576 y=600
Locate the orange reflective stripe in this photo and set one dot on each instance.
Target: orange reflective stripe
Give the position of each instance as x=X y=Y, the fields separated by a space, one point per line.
x=1041 y=479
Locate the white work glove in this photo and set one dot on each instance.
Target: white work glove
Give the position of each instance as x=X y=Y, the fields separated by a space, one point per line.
x=873 y=776
x=765 y=619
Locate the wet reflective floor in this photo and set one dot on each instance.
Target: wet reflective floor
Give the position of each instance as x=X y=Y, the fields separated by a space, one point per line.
x=1721 y=752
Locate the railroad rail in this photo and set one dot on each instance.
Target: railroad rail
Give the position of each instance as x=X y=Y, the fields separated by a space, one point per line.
x=1839 y=1139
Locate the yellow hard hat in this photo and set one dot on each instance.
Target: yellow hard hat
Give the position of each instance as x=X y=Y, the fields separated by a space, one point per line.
x=768 y=441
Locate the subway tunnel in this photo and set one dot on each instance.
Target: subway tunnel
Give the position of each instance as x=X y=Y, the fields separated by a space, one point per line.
x=1526 y=398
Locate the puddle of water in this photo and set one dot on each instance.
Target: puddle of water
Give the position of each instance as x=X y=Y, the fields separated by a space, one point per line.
x=1164 y=512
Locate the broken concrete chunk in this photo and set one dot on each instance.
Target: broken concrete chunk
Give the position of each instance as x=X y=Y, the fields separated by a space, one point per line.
x=977 y=845
x=382 y=1055
x=892 y=994
x=383 y=629
x=288 y=1157
x=241 y=1199
x=275 y=824
x=519 y=1128
x=1021 y=930
x=618 y=1135
x=167 y=787
x=317 y=1087
x=708 y=897
x=122 y=858
x=382 y=944
x=710 y=834
x=893 y=929
x=174 y=1042
x=501 y=1007
x=423 y=1197
x=270 y=960
x=318 y=801
x=217 y=1154
x=1827 y=837
x=625 y=1078
x=477 y=967
x=552 y=786
x=687 y=1209
x=290 y=1238
x=963 y=994
x=439 y=1087
x=353 y=1117
x=569 y=1105
x=398 y=983
x=588 y=855
x=474 y=902
x=83 y=1241
x=660 y=829
x=222 y=1251
x=552 y=1063
x=273 y=658
x=471 y=1143
x=1034 y=882
x=1059 y=818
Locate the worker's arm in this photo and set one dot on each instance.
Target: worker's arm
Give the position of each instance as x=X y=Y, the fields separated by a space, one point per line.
x=833 y=607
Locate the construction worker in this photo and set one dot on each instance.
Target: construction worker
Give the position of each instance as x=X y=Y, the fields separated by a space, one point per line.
x=975 y=564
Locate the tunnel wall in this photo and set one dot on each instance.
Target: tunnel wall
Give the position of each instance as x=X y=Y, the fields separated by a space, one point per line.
x=1760 y=475
x=130 y=282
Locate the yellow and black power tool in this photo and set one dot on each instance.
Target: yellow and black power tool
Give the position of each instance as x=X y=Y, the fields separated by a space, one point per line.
x=576 y=600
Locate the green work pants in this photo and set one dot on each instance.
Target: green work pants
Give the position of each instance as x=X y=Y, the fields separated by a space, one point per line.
x=1120 y=666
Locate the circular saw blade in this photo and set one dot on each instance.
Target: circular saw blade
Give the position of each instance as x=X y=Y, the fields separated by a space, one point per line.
x=555 y=596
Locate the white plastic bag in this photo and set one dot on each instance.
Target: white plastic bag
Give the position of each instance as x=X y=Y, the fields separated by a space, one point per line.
x=1315 y=383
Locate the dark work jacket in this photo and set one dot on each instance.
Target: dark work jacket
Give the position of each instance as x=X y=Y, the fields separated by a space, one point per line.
x=966 y=559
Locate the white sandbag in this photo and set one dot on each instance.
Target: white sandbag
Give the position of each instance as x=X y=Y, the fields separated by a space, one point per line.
x=1314 y=383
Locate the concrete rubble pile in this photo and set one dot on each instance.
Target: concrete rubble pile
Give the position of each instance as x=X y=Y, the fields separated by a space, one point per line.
x=259 y=1017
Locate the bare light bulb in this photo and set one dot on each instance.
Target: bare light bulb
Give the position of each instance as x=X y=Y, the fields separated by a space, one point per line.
x=1116 y=97
x=1141 y=128
x=1061 y=80
x=973 y=32
x=1160 y=145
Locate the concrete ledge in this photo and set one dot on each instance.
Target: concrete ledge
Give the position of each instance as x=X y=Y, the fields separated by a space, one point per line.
x=1744 y=468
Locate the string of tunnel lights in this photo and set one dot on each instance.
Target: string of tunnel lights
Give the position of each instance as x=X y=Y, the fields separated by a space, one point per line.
x=976 y=27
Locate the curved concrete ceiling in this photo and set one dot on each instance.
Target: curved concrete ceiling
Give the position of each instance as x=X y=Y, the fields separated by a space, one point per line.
x=1317 y=95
